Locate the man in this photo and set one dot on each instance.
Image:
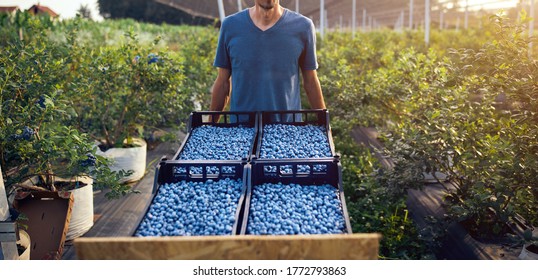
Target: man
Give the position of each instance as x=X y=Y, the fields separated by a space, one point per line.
x=259 y=55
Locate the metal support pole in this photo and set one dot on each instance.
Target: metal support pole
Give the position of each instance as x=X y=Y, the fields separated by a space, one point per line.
x=410 y=14
x=466 y=21
x=239 y=6
x=221 y=10
x=363 y=20
x=322 y=18
x=297 y=6
x=531 y=27
x=427 y=22
x=402 y=19
x=441 y=15
x=354 y=18
x=327 y=23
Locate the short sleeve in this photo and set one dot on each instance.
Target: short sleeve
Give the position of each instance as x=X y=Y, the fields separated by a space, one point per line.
x=222 y=57
x=308 y=60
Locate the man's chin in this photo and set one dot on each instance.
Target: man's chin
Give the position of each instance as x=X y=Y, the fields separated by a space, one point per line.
x=267 y=6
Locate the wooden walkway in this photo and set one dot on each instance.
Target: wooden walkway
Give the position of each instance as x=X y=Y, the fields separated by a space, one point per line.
x=119 y=217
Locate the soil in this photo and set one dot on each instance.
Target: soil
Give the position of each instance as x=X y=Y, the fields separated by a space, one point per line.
x=20 y=249
x=533 y=248
x=104 y=147
x=68 y=185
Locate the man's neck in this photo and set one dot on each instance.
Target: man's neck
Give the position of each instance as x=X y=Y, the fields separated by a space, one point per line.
x=265 y=18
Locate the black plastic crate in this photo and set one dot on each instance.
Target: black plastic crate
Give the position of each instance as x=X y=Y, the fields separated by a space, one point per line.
x=302 y=172
x=222 y=119
x=317 y=117
x=174 y=171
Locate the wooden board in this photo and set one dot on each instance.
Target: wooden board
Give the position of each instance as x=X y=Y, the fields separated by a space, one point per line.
x=242 y=247
x=458 y=243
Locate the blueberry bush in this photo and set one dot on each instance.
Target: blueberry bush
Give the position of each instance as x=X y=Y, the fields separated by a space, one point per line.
x=465 y=118
x=462 y=110
x=127 y=91
x=36 y=141
x=459 y=107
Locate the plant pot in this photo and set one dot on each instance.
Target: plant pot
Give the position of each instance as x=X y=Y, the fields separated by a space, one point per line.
x=24 y=243
x=133 y=158
x=82 y=210
x=82 y=213
x=529 y=252
x=47 y=215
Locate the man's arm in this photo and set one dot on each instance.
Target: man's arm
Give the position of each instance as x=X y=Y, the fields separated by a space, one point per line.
x=220 y=94
x=313 y=89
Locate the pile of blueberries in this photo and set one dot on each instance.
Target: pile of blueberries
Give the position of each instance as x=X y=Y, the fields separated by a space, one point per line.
x=294 y=141
x=218 y=143
x=193 y=208
x=281 y=209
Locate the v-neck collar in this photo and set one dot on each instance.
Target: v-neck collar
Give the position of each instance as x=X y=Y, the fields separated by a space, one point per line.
x=284 y=13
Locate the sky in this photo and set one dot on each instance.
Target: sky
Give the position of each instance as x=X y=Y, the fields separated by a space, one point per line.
x=68 y=8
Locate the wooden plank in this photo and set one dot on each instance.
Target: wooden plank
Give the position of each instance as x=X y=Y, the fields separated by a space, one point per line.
x=458 y=244
x=369 y=137
x=242 y=247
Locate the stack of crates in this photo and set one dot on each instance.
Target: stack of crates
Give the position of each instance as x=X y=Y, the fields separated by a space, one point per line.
x=252 y=169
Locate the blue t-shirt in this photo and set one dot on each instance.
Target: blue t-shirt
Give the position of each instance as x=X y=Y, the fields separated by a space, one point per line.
x=265 y=65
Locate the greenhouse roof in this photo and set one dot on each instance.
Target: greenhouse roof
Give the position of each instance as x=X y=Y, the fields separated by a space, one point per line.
x=339 y=13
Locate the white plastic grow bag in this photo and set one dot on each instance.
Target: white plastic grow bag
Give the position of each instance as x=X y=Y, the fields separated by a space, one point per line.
x=82 y=212
x=128 y=159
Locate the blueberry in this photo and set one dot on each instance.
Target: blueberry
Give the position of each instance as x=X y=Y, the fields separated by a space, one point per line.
x=90 y=161
x=27 y=133
x=41 y=102
x=153 y=58
x=15 y=137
